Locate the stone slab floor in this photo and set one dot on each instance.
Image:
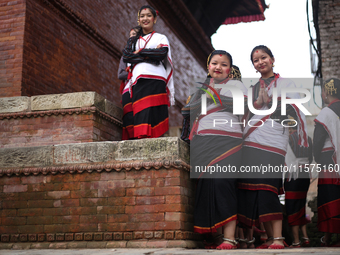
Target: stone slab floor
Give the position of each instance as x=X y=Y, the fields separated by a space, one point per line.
x=168 y=251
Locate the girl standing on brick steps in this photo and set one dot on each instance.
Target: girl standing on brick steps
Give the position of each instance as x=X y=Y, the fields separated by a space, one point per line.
x=123 y=73
x=216 y=199
x=150 y=78
x=327 y=153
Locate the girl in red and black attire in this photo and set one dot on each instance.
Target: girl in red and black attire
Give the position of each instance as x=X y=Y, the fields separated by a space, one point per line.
x=212 y=146
x=265 y=145
x=327 y=153
x=151 y=77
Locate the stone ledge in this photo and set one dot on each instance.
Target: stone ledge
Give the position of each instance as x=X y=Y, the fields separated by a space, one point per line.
x=95 y=156
x=58 y=102
x=14 y=104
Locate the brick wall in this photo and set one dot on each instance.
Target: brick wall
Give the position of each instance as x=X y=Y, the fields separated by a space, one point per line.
x=73 y=46
x=134 y=204
x=12 y=24
x=58 y=119
x=58 y=58
x=329 y=25
x=138 y=191
x=55 y=127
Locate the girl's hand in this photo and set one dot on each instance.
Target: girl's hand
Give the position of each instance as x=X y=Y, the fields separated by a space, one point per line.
x=259 y=100
x=212 y=92
x=265 y=97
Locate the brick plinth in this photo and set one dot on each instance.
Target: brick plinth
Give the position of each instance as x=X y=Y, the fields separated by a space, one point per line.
x=58 y=119
x=105 y=191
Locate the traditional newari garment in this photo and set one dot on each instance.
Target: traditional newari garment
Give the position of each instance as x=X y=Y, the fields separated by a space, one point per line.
x=297 y=183
x=147 y=70
x=326 y=153
x=151 y=84
x=128 y=126
x=265 y=145
x=216 y=198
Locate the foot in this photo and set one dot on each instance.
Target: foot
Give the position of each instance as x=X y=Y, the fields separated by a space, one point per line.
x=277 y=243
x=305 y=242
x=250 y=244
x=295 y=245
x=276 y=246
x=228 y=244
x=266 y=244
x=243 y=243
x=264 y=237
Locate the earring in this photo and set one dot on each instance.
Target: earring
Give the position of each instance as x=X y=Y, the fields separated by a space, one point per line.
x=208 y=74
x=257 y=71
x=154 y=22
x=273 y=65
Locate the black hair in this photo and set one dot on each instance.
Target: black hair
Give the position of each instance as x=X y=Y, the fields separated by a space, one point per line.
x=219 y=52
x=136 y=29
x=153 y=11
x=140 y=31
x=261 y=47
x=335 y=87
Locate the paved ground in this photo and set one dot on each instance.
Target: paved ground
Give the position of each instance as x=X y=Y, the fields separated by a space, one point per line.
x=169 y=251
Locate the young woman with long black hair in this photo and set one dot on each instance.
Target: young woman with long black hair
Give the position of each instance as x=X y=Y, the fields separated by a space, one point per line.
x=151 y=77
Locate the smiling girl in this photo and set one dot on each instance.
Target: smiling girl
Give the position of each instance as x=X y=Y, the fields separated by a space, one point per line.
x=266 y=146
x=215 y=145
x=151 y=77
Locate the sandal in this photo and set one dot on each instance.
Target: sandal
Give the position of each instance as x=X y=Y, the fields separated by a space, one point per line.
x=264 y=245
x=227 y=246
x=305 y=242
x=275 y=245
x=295 y=245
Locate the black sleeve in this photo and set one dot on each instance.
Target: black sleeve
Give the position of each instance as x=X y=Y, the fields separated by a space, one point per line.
x=186 y=129
x=319 y=138
x=154 y=54
x=128 y=53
